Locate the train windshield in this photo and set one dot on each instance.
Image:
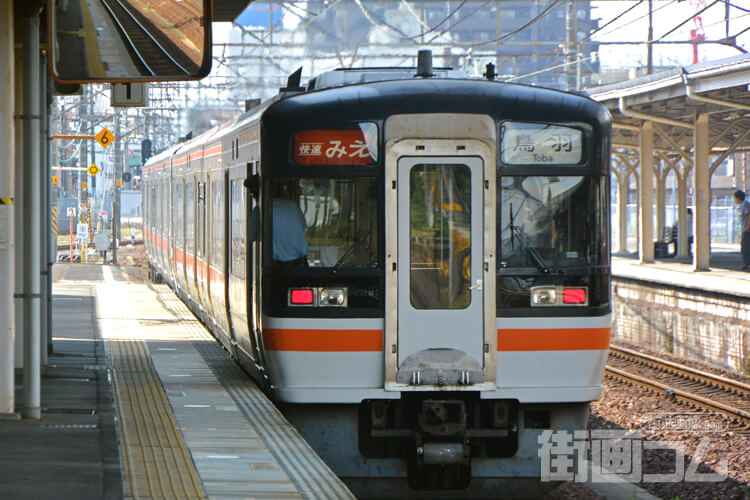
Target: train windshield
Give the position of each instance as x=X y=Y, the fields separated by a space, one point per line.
x=550 y=222
x=340 y=220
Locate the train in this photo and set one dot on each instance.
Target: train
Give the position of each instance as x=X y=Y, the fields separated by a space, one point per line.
x=413 y=264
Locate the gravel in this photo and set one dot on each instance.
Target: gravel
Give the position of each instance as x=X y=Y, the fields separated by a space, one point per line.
x=629 y=407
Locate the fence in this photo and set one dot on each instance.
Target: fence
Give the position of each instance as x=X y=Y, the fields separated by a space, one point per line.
x=725 y=223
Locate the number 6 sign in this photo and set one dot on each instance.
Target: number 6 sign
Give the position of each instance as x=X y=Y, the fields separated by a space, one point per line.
x=105 y=138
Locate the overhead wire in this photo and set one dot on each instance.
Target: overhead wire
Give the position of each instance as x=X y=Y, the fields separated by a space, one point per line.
x=464 y=18
x=718 y=22
x=553 y=4
x=379 y=22
x=735 y=6
x=557 y=50
x=693 y=16
x=443 y=21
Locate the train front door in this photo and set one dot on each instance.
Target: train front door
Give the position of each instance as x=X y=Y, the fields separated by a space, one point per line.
x=440 y=270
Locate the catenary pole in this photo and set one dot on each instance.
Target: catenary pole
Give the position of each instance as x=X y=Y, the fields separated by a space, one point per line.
x=31 y=199
x=7 y=209
x=45 y=284
x=116 y=203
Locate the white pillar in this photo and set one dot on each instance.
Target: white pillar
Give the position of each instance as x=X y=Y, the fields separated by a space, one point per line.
x=701 y=183
x=622 y=209
x=31 y=202
x=7 y=212
x=646 y=204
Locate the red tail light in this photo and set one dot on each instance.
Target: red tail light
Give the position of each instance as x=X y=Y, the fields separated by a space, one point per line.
x=301 y=297
x=574 y=296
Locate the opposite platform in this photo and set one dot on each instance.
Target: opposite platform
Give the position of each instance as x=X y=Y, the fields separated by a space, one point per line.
x=725 y=275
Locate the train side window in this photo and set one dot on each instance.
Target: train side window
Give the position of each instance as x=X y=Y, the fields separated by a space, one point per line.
x=164 y=210
x=238 y=250
x=200 y=220
x=154 y=208
x=179 y=205
x=190 y=217
x=217 y=239
x=159 y=211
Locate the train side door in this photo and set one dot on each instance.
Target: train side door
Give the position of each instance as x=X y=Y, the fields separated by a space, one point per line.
x=200 y=243
x=440 y=317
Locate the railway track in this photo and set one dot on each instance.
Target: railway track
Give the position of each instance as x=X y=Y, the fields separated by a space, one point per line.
x=689 y=386
x=148 y=52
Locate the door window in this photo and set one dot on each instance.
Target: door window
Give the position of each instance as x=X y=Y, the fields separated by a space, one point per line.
x=440 y=236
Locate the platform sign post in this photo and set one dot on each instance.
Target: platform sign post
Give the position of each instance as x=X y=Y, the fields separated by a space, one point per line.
x=82 y=234
x=71 y=214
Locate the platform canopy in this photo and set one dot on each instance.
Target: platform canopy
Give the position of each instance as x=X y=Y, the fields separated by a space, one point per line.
x=670 y=121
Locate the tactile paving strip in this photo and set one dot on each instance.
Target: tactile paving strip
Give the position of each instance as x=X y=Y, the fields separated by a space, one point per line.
x=156 y=463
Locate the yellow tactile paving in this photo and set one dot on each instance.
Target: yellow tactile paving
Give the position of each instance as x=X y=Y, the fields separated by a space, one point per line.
x=88 y=33
x=156 y=463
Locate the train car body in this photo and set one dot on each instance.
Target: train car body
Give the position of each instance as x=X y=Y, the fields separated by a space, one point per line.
x=453 y=297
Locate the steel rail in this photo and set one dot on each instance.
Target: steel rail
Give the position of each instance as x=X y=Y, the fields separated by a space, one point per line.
x=683 y=370
x=710 y=380
x=683 y=396
x=124 y=32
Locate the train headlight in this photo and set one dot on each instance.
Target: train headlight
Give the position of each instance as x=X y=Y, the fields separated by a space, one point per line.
x=543 y=296
x=335 y=297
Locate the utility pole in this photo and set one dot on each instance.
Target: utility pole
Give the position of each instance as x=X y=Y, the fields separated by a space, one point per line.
x=117 y=181
x=570 y=42
x=650 y=45
x=84 y=113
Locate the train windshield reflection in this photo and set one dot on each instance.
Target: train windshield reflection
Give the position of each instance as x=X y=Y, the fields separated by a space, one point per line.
x=547 y=221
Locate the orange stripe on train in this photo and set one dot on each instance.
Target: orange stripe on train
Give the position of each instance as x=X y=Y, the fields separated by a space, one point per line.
x=553 y=339
x=282 y=339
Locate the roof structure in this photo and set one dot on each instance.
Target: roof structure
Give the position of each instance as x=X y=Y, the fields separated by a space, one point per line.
x=674 y=98
x=687 y=121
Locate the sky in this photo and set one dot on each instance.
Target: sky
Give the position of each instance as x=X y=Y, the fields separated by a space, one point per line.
x=633 y=26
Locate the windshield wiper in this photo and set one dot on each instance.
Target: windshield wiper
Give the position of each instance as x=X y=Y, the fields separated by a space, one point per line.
x=516 y=231
x=535 y=257
x=349 y=251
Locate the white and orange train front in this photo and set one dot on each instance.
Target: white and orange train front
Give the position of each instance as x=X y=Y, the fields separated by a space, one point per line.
x=443 y=378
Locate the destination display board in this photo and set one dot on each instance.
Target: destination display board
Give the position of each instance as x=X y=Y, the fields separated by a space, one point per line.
x=337 y=147
x=540 y=144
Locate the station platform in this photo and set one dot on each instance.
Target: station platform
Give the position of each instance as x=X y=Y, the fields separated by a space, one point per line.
x=725 y=276
x=669 y=308
x=187 y=422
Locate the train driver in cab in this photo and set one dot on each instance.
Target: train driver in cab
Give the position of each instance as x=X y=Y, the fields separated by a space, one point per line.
x=289 y=241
